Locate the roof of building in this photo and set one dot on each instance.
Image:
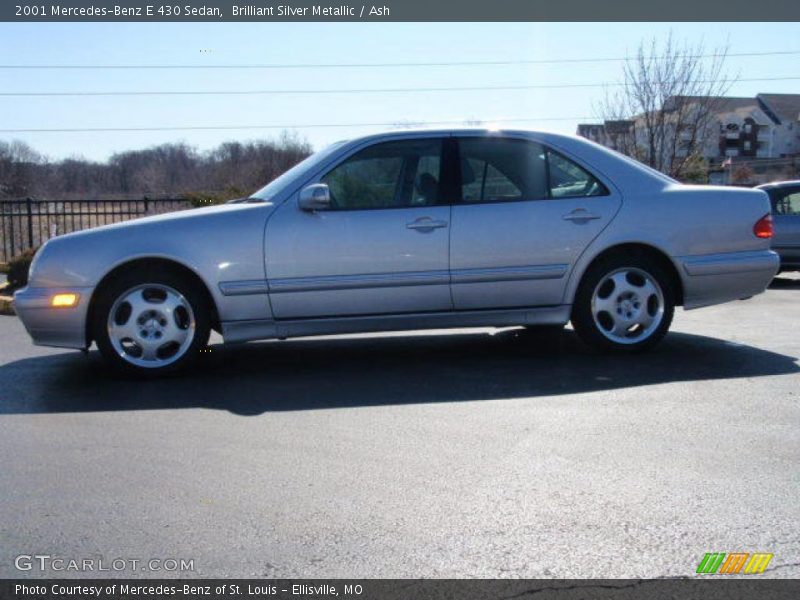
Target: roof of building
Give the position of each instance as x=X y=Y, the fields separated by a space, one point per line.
x=785 y=107
x=720 y=103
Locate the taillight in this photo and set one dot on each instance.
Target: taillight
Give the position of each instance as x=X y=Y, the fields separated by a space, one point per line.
x=763 y=227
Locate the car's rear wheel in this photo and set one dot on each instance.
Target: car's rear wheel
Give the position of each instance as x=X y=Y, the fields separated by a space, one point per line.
x=624 y=303
x=151 y=322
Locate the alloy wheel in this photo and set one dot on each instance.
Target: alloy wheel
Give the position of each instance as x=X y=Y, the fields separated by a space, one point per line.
x=151 y=325
x=628 y=305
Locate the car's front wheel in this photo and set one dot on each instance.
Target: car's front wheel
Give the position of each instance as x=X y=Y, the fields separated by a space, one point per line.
x=624 y=303
x=151 y=322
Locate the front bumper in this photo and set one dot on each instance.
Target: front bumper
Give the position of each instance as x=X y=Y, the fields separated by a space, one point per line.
x=716 y=278
x=48 y=326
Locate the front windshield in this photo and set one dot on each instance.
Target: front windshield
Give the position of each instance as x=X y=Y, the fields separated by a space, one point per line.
x=277 y=184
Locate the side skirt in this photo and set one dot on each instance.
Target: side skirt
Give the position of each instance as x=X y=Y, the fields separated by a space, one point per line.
x=244 y=331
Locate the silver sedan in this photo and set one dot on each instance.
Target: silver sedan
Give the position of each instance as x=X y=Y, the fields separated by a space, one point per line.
x=409 y=230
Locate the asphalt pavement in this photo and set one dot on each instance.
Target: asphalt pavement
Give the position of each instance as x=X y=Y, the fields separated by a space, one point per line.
x=466 y=453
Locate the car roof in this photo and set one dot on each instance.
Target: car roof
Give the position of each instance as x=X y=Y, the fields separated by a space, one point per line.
x=465 y=130
x=779 y=184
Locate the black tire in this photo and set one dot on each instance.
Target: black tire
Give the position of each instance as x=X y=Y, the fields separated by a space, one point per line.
x=160 y=277
x=596 y=332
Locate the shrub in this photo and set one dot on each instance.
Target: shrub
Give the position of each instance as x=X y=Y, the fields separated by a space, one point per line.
x=199 y=199
x=18 y=268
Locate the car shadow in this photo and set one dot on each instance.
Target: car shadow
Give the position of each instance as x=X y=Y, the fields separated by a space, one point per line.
x=356 y=371
x=785 y=283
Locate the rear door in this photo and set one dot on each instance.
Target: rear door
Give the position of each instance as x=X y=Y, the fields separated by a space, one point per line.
x=525 y=215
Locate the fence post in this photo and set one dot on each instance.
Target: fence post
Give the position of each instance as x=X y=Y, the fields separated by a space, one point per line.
x=146 y=206
x=29 y=205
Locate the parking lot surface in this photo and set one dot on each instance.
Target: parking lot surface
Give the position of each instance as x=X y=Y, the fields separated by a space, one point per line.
x=467 y=453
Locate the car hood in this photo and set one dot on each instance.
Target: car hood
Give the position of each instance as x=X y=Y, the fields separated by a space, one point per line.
x=177 y=218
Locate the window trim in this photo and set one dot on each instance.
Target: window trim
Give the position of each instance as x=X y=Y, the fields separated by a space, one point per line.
x=443 y=167
x=459 y=200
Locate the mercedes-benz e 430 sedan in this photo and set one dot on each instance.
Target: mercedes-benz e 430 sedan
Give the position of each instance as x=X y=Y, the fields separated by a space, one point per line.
x=409 y=230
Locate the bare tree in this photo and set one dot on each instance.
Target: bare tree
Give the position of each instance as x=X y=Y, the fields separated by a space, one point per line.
x=18 y=165
x=668 y=98
x=230 y=170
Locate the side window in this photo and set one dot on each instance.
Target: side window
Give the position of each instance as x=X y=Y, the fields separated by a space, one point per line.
x=568 y=180
x=788 y=205
x=425 y=189
x=501 y=169
x=388 y=175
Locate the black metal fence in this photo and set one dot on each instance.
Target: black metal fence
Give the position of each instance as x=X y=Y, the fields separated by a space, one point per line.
x=28 y=223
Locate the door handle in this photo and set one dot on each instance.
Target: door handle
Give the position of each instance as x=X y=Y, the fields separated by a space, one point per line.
x=580 y=215
x=424 y=224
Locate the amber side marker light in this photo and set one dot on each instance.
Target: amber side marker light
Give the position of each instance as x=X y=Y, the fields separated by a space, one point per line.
x=64 y=300
x=763 y=227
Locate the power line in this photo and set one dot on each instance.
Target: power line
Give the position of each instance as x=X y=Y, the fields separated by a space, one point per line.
x=362 y=90
x=467 y=122
x=391 y=65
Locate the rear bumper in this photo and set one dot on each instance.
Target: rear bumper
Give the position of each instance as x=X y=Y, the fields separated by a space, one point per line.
x=715 y=278
x=47 y=326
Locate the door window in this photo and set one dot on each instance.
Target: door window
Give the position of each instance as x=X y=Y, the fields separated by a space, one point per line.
x=788 y=205
x=568 y=180
x=388 y=175
x=507 y=169
x=501 y=169
x=425 y=175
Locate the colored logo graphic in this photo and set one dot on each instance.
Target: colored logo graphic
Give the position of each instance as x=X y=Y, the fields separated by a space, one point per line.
x=719 y=563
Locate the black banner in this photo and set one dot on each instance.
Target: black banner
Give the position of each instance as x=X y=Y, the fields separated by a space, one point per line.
x=399 y=10
x=402 y=589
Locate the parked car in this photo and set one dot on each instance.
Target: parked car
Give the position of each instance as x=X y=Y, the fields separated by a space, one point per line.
x=409 y=230
x=785 y=200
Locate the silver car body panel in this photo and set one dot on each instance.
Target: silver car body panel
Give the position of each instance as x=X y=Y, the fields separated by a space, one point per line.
x=59 y=327
x=273 y=270
x=241 y=331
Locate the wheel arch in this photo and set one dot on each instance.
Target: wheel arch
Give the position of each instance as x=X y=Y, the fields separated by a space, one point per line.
x=638 y=248
x=149 y=262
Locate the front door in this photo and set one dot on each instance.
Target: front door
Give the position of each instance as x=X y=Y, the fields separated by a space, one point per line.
x=525 y=216
x=381 y=248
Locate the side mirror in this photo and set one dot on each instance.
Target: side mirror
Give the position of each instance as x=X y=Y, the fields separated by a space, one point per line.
x=316 y=196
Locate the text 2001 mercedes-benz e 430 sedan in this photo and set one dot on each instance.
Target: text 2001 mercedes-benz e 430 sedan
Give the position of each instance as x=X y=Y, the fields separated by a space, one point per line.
x=409 y=230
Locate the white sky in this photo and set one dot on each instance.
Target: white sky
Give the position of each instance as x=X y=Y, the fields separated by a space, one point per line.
x=300 y=43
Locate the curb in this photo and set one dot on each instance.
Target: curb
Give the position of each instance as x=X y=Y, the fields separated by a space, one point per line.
x=7 y=305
